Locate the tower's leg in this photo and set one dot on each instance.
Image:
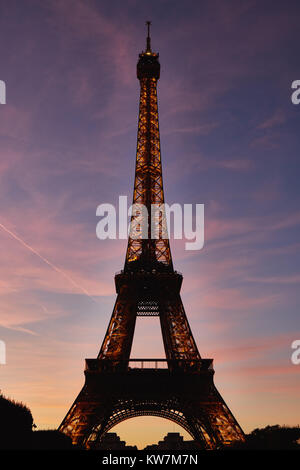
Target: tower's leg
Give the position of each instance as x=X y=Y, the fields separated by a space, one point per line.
x=177 y=336
x=119 y=336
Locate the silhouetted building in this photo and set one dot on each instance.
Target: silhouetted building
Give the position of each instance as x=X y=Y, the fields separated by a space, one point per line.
x=111 y=441
x=173 y=441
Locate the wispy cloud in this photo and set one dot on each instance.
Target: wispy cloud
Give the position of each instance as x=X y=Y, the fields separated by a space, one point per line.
x=276 y=119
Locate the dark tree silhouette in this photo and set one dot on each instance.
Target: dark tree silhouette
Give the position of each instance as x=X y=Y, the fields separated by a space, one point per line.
x=16 y=424
x=272 y=438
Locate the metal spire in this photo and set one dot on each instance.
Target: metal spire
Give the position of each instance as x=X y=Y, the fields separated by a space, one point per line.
x=148 y=49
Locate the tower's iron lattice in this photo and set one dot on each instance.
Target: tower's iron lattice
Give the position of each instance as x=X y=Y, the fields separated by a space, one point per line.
x=181 y=387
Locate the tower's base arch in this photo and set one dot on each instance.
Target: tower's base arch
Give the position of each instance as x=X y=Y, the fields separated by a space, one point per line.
x=189 y=399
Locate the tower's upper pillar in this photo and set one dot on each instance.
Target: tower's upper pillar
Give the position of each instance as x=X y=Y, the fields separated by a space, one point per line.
x=148 y=65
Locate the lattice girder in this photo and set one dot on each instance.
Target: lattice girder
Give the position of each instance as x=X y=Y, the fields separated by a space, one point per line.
x=162 y=289
x=148 y=184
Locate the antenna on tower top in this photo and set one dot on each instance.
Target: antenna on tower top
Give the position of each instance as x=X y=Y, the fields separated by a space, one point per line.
x=148 y=49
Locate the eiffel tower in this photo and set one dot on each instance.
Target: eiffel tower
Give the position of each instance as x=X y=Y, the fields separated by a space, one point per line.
x=179 y=388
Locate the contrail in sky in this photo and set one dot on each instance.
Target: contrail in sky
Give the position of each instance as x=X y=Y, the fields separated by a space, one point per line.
x=16 y=237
